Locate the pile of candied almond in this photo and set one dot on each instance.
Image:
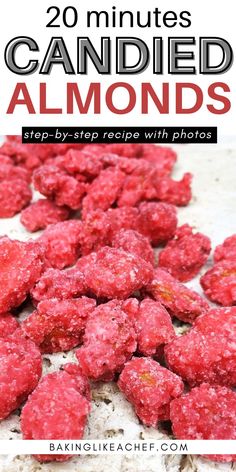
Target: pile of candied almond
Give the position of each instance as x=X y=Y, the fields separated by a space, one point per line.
x=98 y=286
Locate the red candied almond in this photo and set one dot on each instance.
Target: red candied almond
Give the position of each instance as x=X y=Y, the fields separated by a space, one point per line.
x=164 y=158
x=29 y=156
x=95 y=231
x=144 y=183
x=62 y=243
x=21 y=154
x=157 y=221
x=57 y=409
x=99 y=227
x=60 y=284
x=41 y=152
x=15 y=194
x=151 y=332
x=179 y=300
x=219 y=282
x=121 y=218
x=109 y=341
x=21 y=368
x=8 y=324
x=150 y=388
x=77 y=163
x=198 y=358
x=217 y=321
x=152 y=324
x=135 y=243
x=32 y=156
x=71 y=192
x=185 y=254
x=21 y=266
x=226 y=250
x=103 y=191
x=153 y=327
x=114 y=273
x=58 y=325
x=206 y=412
x=41 y=214
x=46 y=179
x=176 y=192
x=128 y=166
x=11 y=172
x=57 y=185
x=138 y=186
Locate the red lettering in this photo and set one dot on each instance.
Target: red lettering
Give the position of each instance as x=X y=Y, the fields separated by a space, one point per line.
x=147 y=89
x=109 y=98
x=179 y=98
x=219 y=98
x=21 y=88
x=94 y=93
x=43 y=102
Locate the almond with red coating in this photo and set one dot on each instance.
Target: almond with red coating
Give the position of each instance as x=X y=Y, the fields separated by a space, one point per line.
x=15 y=194
x=58 y=325
x=41 y=214
x=219 y=282
x=206 y=412
x=21 y=266
x=109 y=341
x=21 y=368
x=185 y=254
x=60 y=284
x=62 y=243
x=180 y=301
x=57 y=409
x=114 y=273
x=150 y=388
